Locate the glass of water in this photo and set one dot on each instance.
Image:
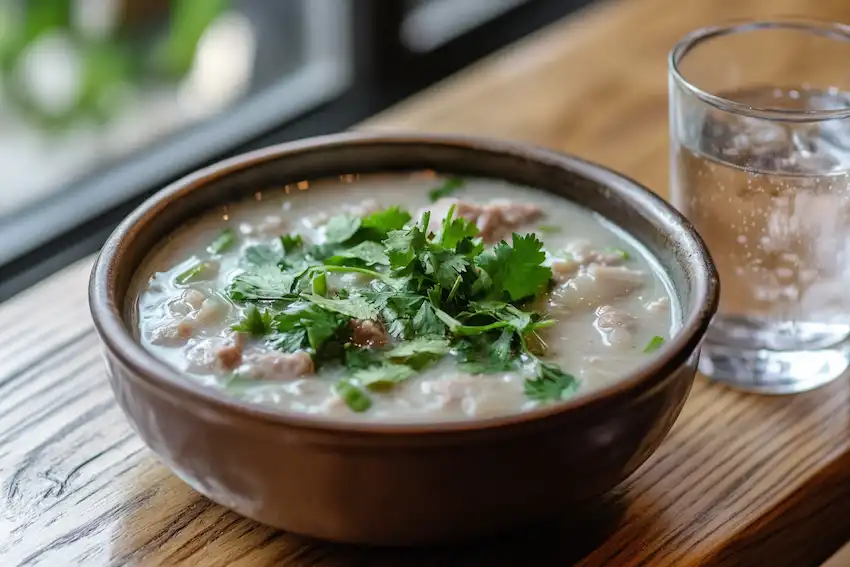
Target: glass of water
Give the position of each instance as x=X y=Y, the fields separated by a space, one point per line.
x=760 y=164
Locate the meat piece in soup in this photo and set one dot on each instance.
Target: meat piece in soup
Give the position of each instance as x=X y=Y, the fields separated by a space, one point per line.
x=389 y=298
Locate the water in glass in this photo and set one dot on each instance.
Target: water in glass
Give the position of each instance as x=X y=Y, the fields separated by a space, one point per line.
x=771 y=198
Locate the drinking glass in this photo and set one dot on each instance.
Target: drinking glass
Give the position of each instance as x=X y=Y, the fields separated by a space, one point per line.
x=760 y=164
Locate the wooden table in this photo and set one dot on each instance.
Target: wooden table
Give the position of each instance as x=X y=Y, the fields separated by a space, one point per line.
x=741 y=480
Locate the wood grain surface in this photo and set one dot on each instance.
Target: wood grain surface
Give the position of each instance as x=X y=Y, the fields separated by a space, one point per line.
x=742 y=479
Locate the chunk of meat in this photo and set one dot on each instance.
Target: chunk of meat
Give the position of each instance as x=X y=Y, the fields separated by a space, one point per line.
x=190 y=300
x=229 y=357
x=192 y=311
x=564 y=268
x=494 y=220
x=214 y=355
x=212 y=310
x=172 y=333
x=595 y=286
x=278 y=365
x=367 y=333
x=193 y=298
x=615 y=325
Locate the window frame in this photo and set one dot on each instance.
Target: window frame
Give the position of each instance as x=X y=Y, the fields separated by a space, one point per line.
x=39 y=240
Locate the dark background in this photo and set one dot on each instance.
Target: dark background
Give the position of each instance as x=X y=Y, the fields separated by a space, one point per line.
x=366 y=54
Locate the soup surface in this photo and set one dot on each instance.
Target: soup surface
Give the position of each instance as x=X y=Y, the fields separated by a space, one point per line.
x=394 y=298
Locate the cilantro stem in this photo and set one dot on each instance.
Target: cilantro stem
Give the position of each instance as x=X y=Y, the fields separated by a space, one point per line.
x=455 y=287
x=476 y=329
x=320 y=284
x=459 y=328
x=223 y=242
x=190 y=274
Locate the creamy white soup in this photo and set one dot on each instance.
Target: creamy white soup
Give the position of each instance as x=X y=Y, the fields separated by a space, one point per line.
x=396 y=298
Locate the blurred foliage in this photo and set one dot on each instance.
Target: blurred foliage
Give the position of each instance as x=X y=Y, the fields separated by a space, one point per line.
x=189 y=20
x=110 y=65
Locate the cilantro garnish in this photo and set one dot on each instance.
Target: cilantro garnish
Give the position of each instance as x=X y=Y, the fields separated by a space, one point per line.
x=255 y=322
x=654 y=344
x=291 y=242
x=387 y=220
x=266 y=282
x=353 y=396
x=448 y=187
x=550 y=384
x=384 y=375
x=420 y=345
x=340 y=228
x=516 y=271
x=194 y=272
x=223 y=242
x=355 y=306
x=368 y=253
x=434 y=293
x=261 y=255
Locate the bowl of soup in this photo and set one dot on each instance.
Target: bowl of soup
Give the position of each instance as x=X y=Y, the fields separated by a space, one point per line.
x=402 y=339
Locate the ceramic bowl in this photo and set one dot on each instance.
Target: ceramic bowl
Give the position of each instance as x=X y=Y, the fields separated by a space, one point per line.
x=403 y=484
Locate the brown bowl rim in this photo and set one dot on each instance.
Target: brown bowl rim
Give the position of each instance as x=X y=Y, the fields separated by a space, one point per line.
x=107 y=309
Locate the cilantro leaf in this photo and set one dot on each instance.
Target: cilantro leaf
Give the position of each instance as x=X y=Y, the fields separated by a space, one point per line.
x=355 y=306
x=340 y=228
x=487 y=352
x=430 y=345
x=384 y=375
x=266 y=282
x=425 y=322
x=356 y=358
x=289 y=341
x=371 y=253
x=420 y=351
x=254 y=322
x=500 y=350
x=318 y=324
x=455 y=230
x=387 y=220
x=448 y=187
x=291 y=242
x=550 y=384
x=444 y=266
x=404 y=245
x=516 y=270
x=261 y=254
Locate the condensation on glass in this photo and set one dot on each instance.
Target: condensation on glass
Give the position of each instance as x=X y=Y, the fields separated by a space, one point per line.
x=760 y=156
